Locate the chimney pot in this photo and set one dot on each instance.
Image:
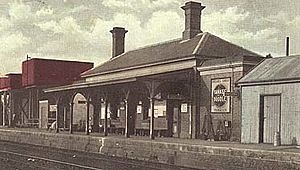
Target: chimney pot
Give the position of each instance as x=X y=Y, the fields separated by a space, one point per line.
x=118 y=40
x=192 y=19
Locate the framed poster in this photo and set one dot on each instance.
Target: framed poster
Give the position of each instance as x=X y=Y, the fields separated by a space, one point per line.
x=220 y=103
x=184 y=107
x=53 y=108
x=139 y=109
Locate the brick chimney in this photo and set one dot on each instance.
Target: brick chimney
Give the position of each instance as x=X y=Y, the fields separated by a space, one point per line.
x=118 y=40
x=192 y=19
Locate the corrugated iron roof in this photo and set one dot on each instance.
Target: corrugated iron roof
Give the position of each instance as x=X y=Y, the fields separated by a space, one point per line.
x=204 y=44
x=274 y=69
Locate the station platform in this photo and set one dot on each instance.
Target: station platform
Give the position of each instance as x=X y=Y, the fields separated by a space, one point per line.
x=190 y=153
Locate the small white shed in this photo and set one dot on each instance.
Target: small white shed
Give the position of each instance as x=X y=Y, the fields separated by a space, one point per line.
x=271 y=101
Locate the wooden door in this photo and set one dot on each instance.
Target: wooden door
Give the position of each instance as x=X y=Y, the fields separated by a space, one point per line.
x=271 y=112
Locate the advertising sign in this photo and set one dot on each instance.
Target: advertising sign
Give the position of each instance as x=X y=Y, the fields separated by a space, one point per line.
x=53 y=108
x=139 y=109
x=219 y=101
x=184 y=107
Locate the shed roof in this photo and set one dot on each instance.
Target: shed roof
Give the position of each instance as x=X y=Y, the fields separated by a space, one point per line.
x=204 y=44
x=274 y=69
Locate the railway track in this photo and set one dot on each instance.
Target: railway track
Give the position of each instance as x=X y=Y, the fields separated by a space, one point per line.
x=24 y=156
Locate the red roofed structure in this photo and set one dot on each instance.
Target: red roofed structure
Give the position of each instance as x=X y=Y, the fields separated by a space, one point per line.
x=21 y=93
x=3 y=82
x=11 y=81
x=46 y=72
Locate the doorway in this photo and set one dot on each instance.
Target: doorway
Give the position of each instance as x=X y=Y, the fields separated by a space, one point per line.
x=174 y=118
x=270 y=117
x=43 y=110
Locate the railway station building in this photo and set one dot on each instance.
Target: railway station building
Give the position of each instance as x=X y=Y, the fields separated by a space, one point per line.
x=183 y=88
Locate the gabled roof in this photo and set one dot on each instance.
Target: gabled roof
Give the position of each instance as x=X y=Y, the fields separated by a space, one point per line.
x=202 y=45
x=274 y=69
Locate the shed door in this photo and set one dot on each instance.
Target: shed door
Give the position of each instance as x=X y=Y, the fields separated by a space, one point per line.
x=271 y=117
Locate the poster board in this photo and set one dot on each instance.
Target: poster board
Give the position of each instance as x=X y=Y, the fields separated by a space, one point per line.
x=53 y=108
x=139 y=109
x=220 y=103
x=184 y=107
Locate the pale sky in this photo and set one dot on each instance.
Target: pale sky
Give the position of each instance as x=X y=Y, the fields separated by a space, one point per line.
x=79 y=29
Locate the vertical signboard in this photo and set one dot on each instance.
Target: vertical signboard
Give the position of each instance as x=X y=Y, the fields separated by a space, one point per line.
x=220 y=103
x=139 y=109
